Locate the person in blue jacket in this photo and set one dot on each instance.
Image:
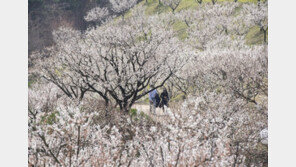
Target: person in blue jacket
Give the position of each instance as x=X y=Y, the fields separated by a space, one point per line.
x=154 y=99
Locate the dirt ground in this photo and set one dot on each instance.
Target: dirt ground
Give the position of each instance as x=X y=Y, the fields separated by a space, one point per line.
x=145 y=108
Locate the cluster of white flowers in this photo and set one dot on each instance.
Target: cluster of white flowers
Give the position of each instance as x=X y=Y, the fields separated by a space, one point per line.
x=208 y=130
x=96 y=14
x=120 y=6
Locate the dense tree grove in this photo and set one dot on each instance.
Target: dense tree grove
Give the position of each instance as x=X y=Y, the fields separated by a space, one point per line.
x=87 y=83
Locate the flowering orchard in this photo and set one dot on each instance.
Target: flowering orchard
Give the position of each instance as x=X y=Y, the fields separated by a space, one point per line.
x=87 y=83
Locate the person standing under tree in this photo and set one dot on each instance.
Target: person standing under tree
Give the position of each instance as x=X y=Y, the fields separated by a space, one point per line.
x=164 y=98
x=153 y=100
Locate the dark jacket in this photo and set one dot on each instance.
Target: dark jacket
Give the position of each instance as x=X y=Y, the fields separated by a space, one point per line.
x=164 y=98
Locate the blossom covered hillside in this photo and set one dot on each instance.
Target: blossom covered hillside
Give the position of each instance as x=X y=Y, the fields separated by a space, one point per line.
x=88 y=88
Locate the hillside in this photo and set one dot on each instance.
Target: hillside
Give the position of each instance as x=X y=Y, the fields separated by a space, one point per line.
x=153 y=83
x=254 y=35
x=46 y=16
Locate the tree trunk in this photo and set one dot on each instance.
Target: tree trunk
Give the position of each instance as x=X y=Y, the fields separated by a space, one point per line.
x=187 y=23
x=125 y=107
x=264 y=34
x=198 y=1
x=259 y=2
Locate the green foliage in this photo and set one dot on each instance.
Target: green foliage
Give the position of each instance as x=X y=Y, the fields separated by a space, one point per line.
x=145 y=116
x=180 y=27
x=153 y=6
x=178 y=97
x=137 y=115
x=146 y=100
x=31 y=81
x=144 y=37
x=50 y=119
x=187 y=4
x=128 y=14
x=133 y=112
x=255 y=36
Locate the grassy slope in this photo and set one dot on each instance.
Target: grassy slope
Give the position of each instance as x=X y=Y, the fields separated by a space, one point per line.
x=153 y=7
x=254 y=36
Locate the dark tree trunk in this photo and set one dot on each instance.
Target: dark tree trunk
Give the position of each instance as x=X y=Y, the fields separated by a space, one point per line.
x=125 y=107
x=187 y=23
x=259 y=2
x=264 y=34
x=199 y=1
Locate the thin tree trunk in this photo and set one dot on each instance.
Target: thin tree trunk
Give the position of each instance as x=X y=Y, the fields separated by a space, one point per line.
x=70 y=157
x=236 y=154
x=178 y=157
x=78 y=142
x=265 y=36
x=214 y=2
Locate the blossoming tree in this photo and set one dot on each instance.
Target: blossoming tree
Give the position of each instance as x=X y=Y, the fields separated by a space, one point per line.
x=117 y=60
